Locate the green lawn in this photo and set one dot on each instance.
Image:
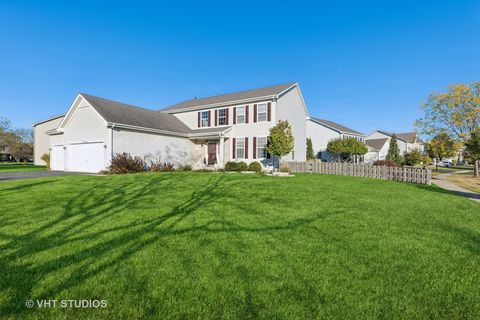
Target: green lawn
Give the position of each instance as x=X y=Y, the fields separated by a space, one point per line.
x=20 y=167
x=212 y=245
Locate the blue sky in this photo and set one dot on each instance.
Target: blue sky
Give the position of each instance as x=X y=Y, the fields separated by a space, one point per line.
x=365 y=64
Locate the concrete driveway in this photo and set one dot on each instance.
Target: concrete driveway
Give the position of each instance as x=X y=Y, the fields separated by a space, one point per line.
x=31 y=175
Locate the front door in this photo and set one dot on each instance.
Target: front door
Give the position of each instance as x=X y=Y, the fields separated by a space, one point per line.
x=212 y=153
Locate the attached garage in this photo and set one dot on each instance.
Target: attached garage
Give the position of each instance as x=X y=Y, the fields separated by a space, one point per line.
x=94 y=129
x=86 y=157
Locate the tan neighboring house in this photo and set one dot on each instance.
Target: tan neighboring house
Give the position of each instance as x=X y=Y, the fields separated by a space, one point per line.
x=5 y=155
x=41 y=137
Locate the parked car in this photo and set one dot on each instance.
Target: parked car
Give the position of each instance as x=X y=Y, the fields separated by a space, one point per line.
x=447 y=164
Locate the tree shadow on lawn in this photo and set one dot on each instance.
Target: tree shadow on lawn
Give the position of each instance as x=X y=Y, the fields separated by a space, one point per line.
x=88 y=210
x=26 y=185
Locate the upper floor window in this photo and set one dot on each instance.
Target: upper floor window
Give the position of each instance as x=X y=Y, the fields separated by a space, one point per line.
x=222 y=117
x=261 y=147
x=204 y=119
x=262 y=112
x=240 y=114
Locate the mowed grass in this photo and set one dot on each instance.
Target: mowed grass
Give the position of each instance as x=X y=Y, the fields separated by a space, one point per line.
x=236 y=246
x=20 y=167
x=467 y=181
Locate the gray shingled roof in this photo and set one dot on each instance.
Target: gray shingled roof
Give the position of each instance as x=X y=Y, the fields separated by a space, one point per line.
x=121 y=113
x=376 y=144
x=210 y=130
x=231 y=97
x=406 y=136
x=337 y=126
x=48 y=119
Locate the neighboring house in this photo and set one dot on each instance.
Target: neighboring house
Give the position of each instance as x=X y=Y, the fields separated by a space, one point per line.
x=205 y=132
x=41 y=137
x=5 y=155
x=407 y=142
x=323 y=131
x=377 y=149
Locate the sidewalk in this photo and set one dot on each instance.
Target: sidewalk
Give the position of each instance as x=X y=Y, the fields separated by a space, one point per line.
x=442 y=181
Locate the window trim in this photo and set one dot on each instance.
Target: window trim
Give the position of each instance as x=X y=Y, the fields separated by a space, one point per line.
x=266 y=111
x=238 y=139
x=244 y=107
x=224 y=117
x=264 y=148
x=201 y=119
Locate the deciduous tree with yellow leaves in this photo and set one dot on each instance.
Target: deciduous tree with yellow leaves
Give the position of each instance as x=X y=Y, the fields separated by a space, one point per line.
x=456 y=112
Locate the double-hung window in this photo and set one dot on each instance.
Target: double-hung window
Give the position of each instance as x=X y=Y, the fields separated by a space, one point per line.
x=240 y=111
x=261 y=147
x=262 y=112
x=240 y=147
x=222 y=117
x=204 y=122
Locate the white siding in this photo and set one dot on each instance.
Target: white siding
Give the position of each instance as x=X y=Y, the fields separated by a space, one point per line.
x=321 y=136
x=41 y=141
x=377 y=135
x=151 y=147
x=244 y=130
x=290 y=107
x=86 y=125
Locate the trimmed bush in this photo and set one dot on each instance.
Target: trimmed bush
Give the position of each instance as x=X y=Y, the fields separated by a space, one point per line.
x=161 y=166
x=46 y=158
x=386 y=163
x=242 y=166
x=184 y=167
x=284 y=168
x=413 y=158
x=255 y=166
x=426 y=159
x=125 y=163
x=231 y=166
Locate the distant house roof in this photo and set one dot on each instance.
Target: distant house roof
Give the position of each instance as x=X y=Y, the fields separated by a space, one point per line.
x=337 y=126
x=121 y=113
x=409 y=137
x=268 y=92
x=376 y=144
x=49 y=119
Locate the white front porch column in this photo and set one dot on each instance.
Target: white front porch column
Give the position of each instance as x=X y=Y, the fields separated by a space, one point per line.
x=221 y=152
x=205 y=155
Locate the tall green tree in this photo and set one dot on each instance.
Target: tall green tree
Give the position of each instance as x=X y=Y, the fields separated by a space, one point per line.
x=456 y=112
x=441 y=146
x=310 y=154
x=280 y=140
x=472 y=145
x=393 y=151
x=346 y=149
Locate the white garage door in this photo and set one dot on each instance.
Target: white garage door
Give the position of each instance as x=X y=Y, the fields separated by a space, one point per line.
x=86 y=157
x=57 y=158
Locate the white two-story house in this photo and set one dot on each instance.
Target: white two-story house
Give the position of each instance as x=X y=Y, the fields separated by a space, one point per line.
x=205 y=132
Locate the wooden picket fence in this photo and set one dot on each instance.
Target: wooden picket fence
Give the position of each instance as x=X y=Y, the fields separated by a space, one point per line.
x=405 y=174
